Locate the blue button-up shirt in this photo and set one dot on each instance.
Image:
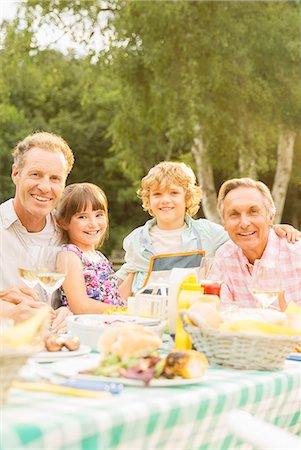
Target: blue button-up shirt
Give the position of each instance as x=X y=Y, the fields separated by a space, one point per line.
x=199 y=234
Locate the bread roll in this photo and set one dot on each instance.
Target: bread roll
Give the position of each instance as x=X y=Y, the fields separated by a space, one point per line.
x=128 y=340
x=204 y=313
x=261 y=315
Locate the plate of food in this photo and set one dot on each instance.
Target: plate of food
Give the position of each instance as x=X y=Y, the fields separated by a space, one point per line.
x=296 y=354
x=84 y=370
x=58 y=347
x=130 y=356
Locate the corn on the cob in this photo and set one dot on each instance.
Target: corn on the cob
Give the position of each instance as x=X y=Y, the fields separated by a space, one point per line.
x=186 y=364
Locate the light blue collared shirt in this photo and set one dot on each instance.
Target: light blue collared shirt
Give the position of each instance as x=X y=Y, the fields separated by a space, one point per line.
x=200 y=234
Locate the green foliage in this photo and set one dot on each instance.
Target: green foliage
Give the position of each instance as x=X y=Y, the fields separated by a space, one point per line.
x=228 y=69
x=71 y=97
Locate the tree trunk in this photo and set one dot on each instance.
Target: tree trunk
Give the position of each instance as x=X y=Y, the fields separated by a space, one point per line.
x=285 y=154
x=205 y=180
x=247 y=165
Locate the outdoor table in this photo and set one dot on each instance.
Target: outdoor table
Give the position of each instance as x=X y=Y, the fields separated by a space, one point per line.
x=183 y=417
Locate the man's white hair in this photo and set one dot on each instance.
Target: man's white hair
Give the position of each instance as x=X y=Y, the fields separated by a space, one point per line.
x=235 y=183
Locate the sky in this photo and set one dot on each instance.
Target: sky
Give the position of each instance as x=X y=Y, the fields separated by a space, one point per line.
x=46 y=36
x=8 y=9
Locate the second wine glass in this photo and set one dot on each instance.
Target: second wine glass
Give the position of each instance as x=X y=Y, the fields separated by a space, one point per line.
x=205 y=268
x=52 y=269
x=266 y=283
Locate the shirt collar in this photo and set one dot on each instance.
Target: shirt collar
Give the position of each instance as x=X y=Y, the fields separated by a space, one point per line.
x=188 y=220
x=9 y=215
x=150 y=223
x=272 y=249
x=146 y=242
x=269 y=253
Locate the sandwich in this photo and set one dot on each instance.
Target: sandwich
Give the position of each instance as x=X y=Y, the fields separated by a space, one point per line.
x=128 y=341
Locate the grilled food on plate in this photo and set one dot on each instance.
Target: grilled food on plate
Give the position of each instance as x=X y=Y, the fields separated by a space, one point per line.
x=55 y=343
x=132 y=352
x=185 y=364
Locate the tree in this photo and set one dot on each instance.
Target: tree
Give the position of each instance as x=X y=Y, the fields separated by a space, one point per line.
x=219 y=80
x=213 y=83
x=65 y=94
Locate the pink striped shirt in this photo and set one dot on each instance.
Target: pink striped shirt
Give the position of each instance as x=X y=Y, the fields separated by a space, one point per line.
x=232 y=266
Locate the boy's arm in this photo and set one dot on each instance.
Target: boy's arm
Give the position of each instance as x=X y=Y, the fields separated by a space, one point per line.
x=125 y=286
x=131 y=256
x=288 y=231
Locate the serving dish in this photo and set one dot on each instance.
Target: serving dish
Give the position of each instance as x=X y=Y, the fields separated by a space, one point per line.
x=89 y=327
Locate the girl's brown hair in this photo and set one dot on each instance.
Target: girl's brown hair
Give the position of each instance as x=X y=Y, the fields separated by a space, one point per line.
x=75 y=199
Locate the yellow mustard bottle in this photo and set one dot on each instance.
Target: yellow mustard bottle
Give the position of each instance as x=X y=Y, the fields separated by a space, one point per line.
x=188 y=290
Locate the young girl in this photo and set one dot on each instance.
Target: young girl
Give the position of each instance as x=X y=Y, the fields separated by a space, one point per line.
x=170 y=194
x=91 y=285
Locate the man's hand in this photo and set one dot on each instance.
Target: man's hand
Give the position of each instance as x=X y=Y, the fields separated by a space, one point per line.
x=19 y=294
x=58 y=324
x=292 y=234
x=22 y=311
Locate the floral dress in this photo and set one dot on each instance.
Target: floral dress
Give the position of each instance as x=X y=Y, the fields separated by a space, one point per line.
x=100 y=279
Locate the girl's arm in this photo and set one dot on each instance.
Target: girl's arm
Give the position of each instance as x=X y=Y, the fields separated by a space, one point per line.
x=125 y=287
x=75 y=289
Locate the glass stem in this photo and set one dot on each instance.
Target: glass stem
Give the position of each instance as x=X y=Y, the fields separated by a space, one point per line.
x=49 y=297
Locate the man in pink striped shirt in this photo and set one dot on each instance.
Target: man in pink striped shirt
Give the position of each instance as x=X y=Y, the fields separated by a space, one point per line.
x=247 y=209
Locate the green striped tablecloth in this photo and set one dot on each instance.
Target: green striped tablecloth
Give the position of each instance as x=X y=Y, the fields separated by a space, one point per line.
x=186 y=417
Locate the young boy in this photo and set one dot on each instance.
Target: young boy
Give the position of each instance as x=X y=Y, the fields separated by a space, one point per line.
x=169 y=193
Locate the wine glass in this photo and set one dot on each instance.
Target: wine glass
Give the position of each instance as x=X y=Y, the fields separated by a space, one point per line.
x=52 y=269
x=205 y=268
x=266 y=283
x=28 y=270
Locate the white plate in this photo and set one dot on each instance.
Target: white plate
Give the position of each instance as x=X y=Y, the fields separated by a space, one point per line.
x=295 y=356
x=105 y=320
x=64 y=353
x=89 y=327
x=71 y=369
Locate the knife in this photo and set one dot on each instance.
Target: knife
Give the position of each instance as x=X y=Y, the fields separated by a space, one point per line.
x=59 y=389
x=94 y=385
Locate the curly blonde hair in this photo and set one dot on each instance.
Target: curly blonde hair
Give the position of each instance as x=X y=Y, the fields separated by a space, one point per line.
x=169 y=172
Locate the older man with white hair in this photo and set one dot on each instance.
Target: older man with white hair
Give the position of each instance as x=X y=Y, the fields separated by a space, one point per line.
x=247 y=209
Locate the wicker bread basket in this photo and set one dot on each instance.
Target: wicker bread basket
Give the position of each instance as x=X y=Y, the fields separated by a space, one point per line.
x=10 y=362
x=239 y=350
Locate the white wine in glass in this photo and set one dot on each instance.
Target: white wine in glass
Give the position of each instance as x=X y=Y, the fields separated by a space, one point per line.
x=51 y=281
x=266 y=283
x=28 y=276
x=266 y=297
x=52 y=269
x=205 y=268
x=28 y=271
